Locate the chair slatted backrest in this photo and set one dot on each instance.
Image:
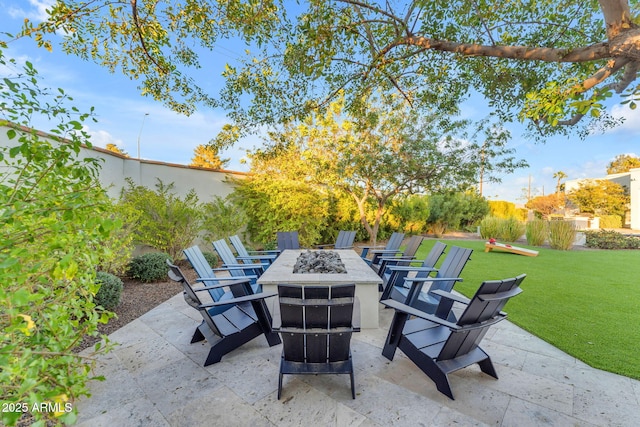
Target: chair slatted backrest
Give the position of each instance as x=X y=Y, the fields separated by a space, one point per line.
x=483 y=310
x=412 y=246
x=238 y=246
x=192 y=298
x=316 y=322
x=203 y=269
x=345 y=239
x=452 y=266
x=430 y=261
x=394 y=241
x=226 y=255
x=288 y=240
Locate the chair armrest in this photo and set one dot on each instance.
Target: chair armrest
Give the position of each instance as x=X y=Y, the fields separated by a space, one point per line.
x=235 y=281
x=398 y=306
x=433 y=279
x=451 y=296
x=410 y=268
x=397 y=258
x=500 y=295
x=226 y=278
x=256 y=257
x=247 y=298
x=386 y=251
x=241 y=266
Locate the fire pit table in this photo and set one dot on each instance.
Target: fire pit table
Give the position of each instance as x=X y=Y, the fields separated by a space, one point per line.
x=358 y=272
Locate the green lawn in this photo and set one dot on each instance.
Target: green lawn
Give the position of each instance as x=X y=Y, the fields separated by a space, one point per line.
x=584 y=302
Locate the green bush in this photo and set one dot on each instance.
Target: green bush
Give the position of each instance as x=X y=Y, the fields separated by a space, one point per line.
x=221 y=218
x=501 y=209
x=489 y=227
x=167 y=222
x=610 y=221
x=536 y=232
x=562 y=234
x=211 y=258
x=510 y=230
x=52 y=215
x=150 y=267
x=609 y=239
x=108 y=296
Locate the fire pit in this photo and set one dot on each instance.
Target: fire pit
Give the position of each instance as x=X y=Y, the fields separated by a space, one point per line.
x=319 y=262
x=356 y=271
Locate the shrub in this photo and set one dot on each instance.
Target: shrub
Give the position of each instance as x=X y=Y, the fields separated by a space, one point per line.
x=609 y=239
x=211 y=258
x=150 y=267
x=489 y=227
x=610 y=221
x=501 y=209
x=562 y=234
x=167 y=223
x=536 y=232
x=221 y=218
x=510 y=230
x=108 y=296
x=52 y=213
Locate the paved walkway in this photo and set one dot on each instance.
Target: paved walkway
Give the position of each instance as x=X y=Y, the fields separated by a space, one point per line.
x=156 y=378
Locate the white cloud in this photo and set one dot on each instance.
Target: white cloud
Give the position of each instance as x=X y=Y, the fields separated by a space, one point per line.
x=100 y=138
x=37 y=11
x=631 y=118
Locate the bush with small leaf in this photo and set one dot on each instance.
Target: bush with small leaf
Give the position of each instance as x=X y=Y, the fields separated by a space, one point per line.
x=108 y=296
x=510 y=229
x=150 y=267
x=211 y=258
x=609 y=239
x=562 y=234
x=536 y=232
x=489 y=227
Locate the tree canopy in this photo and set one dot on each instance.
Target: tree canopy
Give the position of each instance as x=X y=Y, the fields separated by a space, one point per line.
x=205 y=156
x=550 y=63
x=623 y=163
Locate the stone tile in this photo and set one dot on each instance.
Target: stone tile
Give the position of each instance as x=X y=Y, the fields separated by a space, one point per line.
x=526 y=386
x=603 y=383
x=302 y=405
x=525 y=414
x=449 y=417
x=132 y=334
x=386 y=403
x=118 y=389
x=139 y=412
x=170 y=386
x=218 y=407
x=148 y=355
x=605 y=409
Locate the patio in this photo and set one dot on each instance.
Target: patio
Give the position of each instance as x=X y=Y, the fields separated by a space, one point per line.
x=155 y=377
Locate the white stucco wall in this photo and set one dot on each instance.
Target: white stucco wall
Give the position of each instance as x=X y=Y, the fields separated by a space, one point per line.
x=117 y=168
x=631 y=180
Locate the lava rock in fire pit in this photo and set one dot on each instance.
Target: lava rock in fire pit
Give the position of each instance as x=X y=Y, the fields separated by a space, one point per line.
x=319 y=262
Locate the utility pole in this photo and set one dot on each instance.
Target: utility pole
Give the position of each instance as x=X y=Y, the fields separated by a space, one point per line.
x=140 y=133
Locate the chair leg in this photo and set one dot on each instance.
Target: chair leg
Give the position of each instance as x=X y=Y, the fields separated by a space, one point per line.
x=353 y=385
x=394 y=335
x=280 y=385
x=197 y=335
x=487 y=367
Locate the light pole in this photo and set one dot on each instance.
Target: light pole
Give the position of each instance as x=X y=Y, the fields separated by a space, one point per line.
x=140 y=133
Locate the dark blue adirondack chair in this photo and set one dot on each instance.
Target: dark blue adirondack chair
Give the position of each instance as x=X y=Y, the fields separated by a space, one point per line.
x=208 y=277
x=316 y=324
x=391 y=248
x=396 y=269
x=410 y=290
x=408 y=254
x=265 y=257
x=236 y=268
x=439 y=347
x=245 y=318
x=343 y=241
x=288 y=240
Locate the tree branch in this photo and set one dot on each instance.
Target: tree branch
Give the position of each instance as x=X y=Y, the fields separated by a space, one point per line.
x=136 y=21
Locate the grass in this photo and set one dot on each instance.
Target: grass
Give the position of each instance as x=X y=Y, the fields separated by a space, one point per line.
x=586 y=303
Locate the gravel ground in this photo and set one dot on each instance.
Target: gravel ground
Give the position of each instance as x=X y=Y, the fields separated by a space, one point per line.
x=137 y=298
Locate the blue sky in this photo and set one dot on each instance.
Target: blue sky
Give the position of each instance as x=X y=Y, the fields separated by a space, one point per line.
x=170 y=137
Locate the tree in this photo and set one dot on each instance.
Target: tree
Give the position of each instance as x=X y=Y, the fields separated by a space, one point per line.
x=54 y=220
x=559 y=176
x=546 y=205
x=550 y=62
x=113 y=147
x=383 y=156
x=206 y=156
x=600 y=197
x=623 y=163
